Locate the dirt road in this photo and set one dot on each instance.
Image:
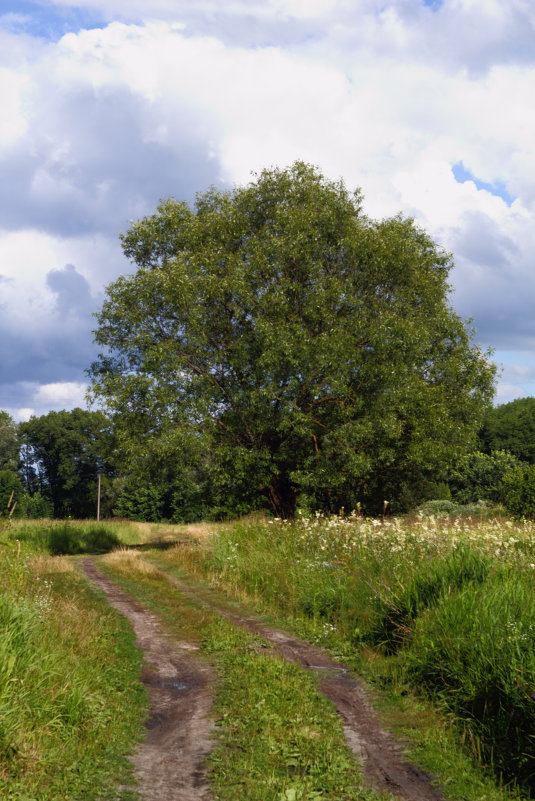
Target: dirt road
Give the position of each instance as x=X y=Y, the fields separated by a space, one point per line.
x=169 y=764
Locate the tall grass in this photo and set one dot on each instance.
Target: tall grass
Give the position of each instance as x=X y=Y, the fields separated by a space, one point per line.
x=450 y=603
x=70 y=702
x=67 y=538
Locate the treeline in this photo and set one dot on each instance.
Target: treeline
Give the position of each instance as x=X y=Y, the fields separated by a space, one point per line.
x=49 y=467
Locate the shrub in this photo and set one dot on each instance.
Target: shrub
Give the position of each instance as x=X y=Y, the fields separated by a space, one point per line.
x=519 y=491
x=35 y=506
x=480 y=476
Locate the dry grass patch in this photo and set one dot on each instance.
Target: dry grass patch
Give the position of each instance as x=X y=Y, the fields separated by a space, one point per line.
x=41 y=565
x=126 y=561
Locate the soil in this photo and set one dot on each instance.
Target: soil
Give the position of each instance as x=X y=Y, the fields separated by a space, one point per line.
x=169 y=763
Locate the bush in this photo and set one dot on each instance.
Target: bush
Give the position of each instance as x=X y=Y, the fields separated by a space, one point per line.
x=438 y=507
x=519 y=491
x=480 y=476
x=35 y=506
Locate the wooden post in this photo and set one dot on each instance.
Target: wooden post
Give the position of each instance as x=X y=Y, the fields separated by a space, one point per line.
x=98 y=498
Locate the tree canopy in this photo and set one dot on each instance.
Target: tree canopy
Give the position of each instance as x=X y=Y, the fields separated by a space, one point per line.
x=63 y=452
x=511 y=427
x=289 y=346
x=9 y=442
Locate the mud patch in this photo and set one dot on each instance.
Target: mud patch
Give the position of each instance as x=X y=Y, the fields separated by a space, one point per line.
x=169 y=764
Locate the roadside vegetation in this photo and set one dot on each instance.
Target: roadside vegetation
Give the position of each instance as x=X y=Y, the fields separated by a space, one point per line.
x=71 y=704
x=438 y=607
x=437 y=613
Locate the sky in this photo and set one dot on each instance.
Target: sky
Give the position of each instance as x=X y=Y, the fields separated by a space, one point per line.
x=108 y=106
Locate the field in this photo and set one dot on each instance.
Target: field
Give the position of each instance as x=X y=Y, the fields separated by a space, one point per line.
x=437 y=614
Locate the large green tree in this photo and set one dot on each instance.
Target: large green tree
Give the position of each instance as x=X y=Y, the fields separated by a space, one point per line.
x=302 y=348
x=511 y=427
x=63 y=452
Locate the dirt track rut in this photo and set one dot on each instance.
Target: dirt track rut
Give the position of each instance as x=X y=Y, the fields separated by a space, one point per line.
x=169 y=763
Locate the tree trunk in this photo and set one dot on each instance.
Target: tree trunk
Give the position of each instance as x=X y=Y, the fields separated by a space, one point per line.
x=283 y=497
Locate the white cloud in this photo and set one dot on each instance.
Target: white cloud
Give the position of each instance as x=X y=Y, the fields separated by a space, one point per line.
x=63 y=394
x=390 y=96
x=21 y=415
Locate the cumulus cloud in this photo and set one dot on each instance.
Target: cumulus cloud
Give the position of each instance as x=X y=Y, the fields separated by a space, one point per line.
x=173 y=96
x=44 y=398
x=68 y=393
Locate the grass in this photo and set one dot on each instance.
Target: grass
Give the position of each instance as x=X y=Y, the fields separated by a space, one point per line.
x=278 y=738
x=432 y=608
x=71 y=705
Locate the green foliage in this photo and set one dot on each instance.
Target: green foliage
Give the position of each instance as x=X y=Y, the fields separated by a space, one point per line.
x=35 y=506
x=480 y=510
x=447 y=605
x=140 y=501
x=63 y=453
x=519 y=491
x=293 y=345
x=478 y=476
x=9 y=443
x=11 y=493
x=511 y=427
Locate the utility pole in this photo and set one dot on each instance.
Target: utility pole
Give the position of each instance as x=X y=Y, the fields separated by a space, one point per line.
x=98 y=498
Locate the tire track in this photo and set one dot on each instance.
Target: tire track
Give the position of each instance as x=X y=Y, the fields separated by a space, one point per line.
x=169 y=764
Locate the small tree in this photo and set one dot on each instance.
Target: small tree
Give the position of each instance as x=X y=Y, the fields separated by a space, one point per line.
x=9 y=443
x=479 y=476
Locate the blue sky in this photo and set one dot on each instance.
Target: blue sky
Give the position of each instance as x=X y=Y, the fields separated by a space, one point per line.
x=110 y=105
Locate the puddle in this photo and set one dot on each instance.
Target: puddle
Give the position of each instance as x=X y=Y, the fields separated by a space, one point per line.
x=329 y=669
x=174 y=685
